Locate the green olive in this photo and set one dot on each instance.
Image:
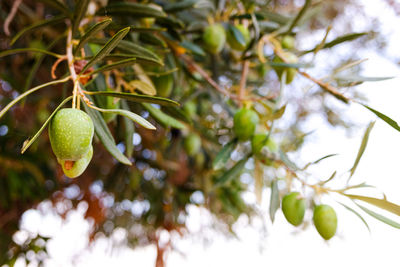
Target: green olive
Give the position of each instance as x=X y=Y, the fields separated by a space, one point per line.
x=244 y=123
x=73 y=169
x=294 y=208
x=214 y=38
x=71 y=133
x=290 y=72
x=260 y=140
x=192 y=144
x=233 y=42
x=325 y=221
x=164 y=84
x=288 y=42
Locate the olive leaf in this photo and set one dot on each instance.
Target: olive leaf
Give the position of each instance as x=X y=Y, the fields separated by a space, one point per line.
x=380 y=203
x=237 y=34
x=385 y=118
x=224 y=154
x=136 y=97
x=130 y=115
x=274 y=202
x=379 y=217
x=107 y=48
x=129 y=131
x=92 y=32
x=357 y=214
x=116 y=65
x=179 y=6
x=29 y=142
x=28 y=49
x=133 y=10
x=57 y=5
x=231 y=173
x=143 y=86
x=79 y=12
x=341 y=39
x=37 y=25
x=163 y=118
x=34 y=89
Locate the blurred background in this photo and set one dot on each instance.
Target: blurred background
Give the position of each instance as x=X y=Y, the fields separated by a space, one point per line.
x=70 y=220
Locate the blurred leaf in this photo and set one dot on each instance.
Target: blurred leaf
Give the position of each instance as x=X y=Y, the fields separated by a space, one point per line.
x=147 y=29
x=28 y=49
x=37 y=25
x=136 y=98
x=339 y=40
x=134 y=10
x=274 y=202
x=299 y=15
x=105 y=136
x=177 y=113
x=362 y=148
x=107 y=48
x=179 y=6
x=80 y=10
x=319 y=160
x=287 y=161
x=163 y=118
x=224 y=155
x=380 y=217
x=129 y=131
x=57 y=5
x=357 y=214
x=130 y=115
x=115 y=65
x=34 y=89
x=92 y=32
x=237 y=34
x=152 y=39
x=29 y=142
x=384 y=118
x=231 y=173
x=359 y=79
x=143 y=87
x=381 y=203
x=195 y=49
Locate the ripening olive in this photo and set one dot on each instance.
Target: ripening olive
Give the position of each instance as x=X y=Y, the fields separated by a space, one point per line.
x=71 y=133
x=325 y=221
x=163 y=84
x=192 y=144
x=73 y=169
x=214 y=38
x=288 y=42
x=294 y=207
x=233 y=42
x=290 y=72
x=244 y=123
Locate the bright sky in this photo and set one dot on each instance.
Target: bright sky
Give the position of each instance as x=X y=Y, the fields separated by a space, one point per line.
x=283 y=245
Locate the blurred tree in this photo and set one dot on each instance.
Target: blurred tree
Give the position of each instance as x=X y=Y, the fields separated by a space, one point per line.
x=233 y=67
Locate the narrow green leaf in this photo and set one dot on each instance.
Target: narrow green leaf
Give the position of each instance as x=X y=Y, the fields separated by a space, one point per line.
x=237 y=34
x=274 y=202
x=105 y=136
x=319 y=160
x=177 y=113
x=58 y=6
x=116 y=65
x=384 y=118
x=381 y=203
x=143 y=87
x=139 y=58
x=224 y=154
x=92 y=32
x=129 y=131
x=299 y=15
x=80 y=10
x=194 y=48
x=287 y=161
x=107 y=48
x=357 y=214
x=34 y=89
x=136 y=98
x=163 y=118
x=133 y=10
x=380 y=217
x=179 y=6
x=37 y=25
x=339 y=40
x=145 y=29
x=152 y=39
x=362 y=148
x=360 y=79
x=329 y=179
x=231 y=173
x=29 y=142
x=28 y=49
x=130 y=115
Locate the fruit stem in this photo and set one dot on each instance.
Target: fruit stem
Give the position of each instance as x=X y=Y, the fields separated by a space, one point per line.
x=75 y=78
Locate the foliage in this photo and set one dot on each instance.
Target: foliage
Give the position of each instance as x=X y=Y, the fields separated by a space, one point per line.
x=173 y=118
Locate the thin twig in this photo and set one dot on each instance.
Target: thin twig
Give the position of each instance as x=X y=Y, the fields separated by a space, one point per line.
x=243 y=79
x=55 y=65
x=10 y=17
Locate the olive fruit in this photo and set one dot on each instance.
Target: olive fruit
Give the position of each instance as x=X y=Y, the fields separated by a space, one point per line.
x=294 y=207
x=290 y=72
x=71 y=133
x=244 y=123
x=325 y=221
x=73 y=169
x=214 y=38
x=260 y=140
x=190 y=108
x=288 y=42
x=192 y=144
x=164 y=84
x=233 y=42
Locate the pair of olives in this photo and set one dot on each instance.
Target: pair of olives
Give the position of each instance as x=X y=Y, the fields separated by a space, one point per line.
x=71 y=133
x=324 y=217
x=214 y=38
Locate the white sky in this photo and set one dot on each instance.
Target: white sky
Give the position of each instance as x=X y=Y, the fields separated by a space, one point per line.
x=284 y=245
